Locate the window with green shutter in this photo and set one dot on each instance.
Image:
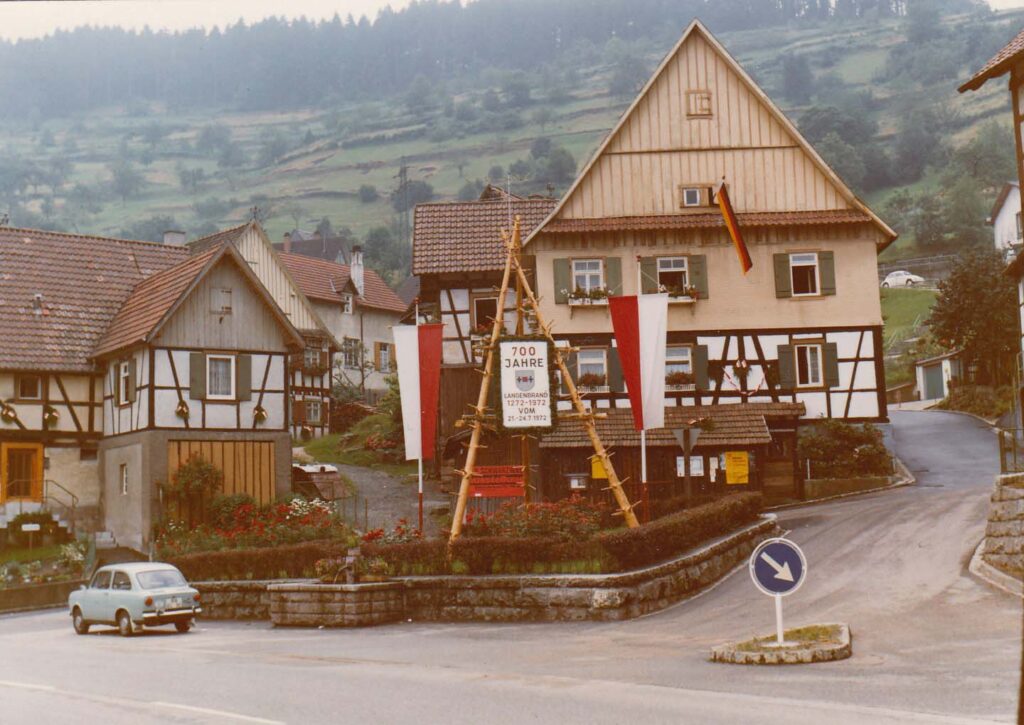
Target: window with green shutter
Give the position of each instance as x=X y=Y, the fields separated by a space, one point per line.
x=783 y=287
x=648 y=275
x=562 y=276
x=700 y=367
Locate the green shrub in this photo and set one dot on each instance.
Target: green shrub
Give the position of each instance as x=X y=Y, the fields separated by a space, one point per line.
x=674 y=534
x=841 y=450
x=988 y=402
x=278 y=562
x=220 y=510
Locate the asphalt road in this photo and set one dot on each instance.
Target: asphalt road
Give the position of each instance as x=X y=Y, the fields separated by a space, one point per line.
x=931 y=644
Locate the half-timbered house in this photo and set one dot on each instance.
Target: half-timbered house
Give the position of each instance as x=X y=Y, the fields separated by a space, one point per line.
x=309 y=370
x=802 y=328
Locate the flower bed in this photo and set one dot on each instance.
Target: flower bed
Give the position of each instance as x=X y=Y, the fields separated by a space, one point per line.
x=237 y=523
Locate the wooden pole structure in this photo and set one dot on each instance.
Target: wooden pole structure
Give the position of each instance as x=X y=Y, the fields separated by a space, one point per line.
x=584 y=415
x=524 y=440
x=485 y=385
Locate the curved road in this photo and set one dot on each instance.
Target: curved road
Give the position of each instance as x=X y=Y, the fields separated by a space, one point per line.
x=931 y=643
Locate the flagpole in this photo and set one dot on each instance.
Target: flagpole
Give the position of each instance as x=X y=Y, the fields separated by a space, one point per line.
x=643 y=474
x=419 y=460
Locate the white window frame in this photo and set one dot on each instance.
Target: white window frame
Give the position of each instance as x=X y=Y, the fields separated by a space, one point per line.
x=39 y=387
x=685 y=269
x=123 y=476
x=347 y=305
x=212 y=396
x=817 y=347
x=804 y=263
x=384 y=355
x=318 y=406
x=686 y=197
x=604 y=362
x=218 y=296
x=315 y=362
x=588 y=273
x=676 y=359
x=350 y=353
x=124 y=376
x=476 y=321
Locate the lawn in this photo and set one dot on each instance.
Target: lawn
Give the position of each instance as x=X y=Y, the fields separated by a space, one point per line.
x=905 y=312
x=350 y=448
x=37 y=553
x=815 y=634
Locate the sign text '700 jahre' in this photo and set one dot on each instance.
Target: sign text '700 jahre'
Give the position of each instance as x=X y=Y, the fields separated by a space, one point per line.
x=525 y=384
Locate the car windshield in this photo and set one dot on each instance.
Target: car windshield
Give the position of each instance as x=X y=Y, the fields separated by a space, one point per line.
x=161 y=579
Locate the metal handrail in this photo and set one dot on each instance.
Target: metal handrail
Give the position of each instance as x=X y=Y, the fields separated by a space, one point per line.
x=46 y=498
x=47 y=483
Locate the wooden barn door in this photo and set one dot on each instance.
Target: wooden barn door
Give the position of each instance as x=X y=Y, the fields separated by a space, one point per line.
x=248 y=466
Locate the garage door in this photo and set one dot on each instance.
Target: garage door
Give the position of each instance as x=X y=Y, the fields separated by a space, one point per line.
x=934 y=388
x=248 y=466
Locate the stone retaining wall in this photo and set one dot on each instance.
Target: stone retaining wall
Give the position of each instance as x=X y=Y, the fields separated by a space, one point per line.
x=1004 y=534
x=824 y=487
x=37 y=596
x=550 y=597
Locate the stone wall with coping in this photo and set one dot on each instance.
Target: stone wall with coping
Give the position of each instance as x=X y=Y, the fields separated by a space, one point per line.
x=1004 y=533
x=548 y=597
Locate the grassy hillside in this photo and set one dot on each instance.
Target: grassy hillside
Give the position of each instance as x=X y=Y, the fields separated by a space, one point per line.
x=329 y=153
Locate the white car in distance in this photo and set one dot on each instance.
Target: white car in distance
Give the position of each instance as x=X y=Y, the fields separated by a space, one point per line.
x=902 y=279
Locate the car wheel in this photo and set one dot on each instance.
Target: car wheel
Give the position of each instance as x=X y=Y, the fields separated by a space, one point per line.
x=124 y=624
x=910 y=283
x=183 y=627
x=885 y=285
x=79 y=623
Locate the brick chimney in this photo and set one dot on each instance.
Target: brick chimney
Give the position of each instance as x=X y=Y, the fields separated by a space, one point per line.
x=174 y=238
x=287 y=242
x=357 y=267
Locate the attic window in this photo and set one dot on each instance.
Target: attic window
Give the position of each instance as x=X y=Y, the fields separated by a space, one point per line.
x=346 y=303
x=694 y=195
x=220 y=300
x=698 y=104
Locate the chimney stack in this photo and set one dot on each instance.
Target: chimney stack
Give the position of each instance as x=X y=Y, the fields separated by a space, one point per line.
x=287 y=242
x=174 y=238
x=357 y=268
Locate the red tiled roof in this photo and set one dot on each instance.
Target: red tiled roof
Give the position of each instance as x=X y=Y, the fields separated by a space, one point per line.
x=466 y=236
x=83 y=281
x=198 y=246
x=711 y=220
x=320 y=279
x=739 y=424
x=997 y=65
x=150 y=301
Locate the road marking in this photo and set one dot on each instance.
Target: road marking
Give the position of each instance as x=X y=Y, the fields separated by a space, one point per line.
x=781 y=570
x=217 y=713
x=27 y=686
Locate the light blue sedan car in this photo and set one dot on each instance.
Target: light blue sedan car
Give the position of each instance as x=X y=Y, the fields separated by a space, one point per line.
x=131 y=596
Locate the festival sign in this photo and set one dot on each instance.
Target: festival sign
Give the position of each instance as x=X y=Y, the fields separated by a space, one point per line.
x=526 y=400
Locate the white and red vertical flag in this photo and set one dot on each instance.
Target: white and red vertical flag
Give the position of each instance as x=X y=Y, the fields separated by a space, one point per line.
x=641 y=325
x=418 y=353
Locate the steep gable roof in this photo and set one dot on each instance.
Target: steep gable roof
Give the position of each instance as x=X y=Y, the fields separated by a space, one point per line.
x=999 y=64
x=83 y=281
x=465 y=236
x=1004 y=194
x=658 y=139
x=323 y=280
x=156 y=298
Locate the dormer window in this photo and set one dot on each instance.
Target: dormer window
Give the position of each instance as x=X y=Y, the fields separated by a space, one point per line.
x=346 y=303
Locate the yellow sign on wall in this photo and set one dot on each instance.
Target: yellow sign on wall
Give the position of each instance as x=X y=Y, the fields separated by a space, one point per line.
x=737 y=467
x=597 y=468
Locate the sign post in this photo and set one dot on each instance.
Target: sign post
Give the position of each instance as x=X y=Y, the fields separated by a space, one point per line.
x=31 y=529
x=687 y=439
x=778 y=568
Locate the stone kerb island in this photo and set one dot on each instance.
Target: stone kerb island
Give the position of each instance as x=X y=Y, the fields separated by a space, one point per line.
x=496 y=598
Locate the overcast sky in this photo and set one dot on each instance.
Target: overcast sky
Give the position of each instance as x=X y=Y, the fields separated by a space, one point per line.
x=35 y=18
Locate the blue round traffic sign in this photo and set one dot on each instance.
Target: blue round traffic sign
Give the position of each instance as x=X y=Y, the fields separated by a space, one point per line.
x=778 y=567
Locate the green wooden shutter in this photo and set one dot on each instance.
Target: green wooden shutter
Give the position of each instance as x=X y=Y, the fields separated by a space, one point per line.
x=615 y=381
x=570 y=362
x=700 y=367
x=830 y=352
x=243 y=372
x=197 y=375
x=827 y=272
x=698 y=264
x=116 y=383
x=131 y=380
x=787 y=367
x=562 y=280
x=783 y=285
x=648 y=275
x=613 y=275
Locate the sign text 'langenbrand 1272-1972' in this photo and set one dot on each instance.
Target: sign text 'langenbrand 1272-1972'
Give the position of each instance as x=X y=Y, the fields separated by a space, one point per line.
x=525 y=384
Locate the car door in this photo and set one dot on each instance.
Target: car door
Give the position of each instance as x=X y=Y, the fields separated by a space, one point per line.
x=96 y=598
x=120 y=593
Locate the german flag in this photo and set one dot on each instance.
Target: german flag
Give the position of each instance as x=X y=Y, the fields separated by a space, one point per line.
x=722 y=198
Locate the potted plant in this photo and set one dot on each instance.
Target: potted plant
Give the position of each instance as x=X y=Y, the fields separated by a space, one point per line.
x=182 y=410
x=591 y=380
x=678 y=379
x=373 y=569
x=259 y=414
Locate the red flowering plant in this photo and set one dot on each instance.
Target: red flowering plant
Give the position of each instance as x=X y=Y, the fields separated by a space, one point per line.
x=571 y=519
x=402 y=533
x=247 y=525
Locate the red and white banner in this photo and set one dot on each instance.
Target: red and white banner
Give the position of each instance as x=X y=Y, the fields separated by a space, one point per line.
x=418 y=354
x=641 y=325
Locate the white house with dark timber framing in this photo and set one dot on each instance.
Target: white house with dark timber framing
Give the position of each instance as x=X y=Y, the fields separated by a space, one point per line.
x=797 y=339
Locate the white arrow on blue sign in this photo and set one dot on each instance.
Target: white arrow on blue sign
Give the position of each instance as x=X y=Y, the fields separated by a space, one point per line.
x=778 y=567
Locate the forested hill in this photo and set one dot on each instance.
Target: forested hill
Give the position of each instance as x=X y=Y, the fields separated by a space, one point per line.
x=274 y=64
x=347 y=124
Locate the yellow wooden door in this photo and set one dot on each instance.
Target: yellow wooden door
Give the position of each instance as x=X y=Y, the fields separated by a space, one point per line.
x=21 y=471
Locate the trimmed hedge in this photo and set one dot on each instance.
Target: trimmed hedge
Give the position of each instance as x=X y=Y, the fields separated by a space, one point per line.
x=272 y=562
x=609 y=551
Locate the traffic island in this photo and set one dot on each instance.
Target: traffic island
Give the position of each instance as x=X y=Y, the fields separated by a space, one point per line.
x=805 y=645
